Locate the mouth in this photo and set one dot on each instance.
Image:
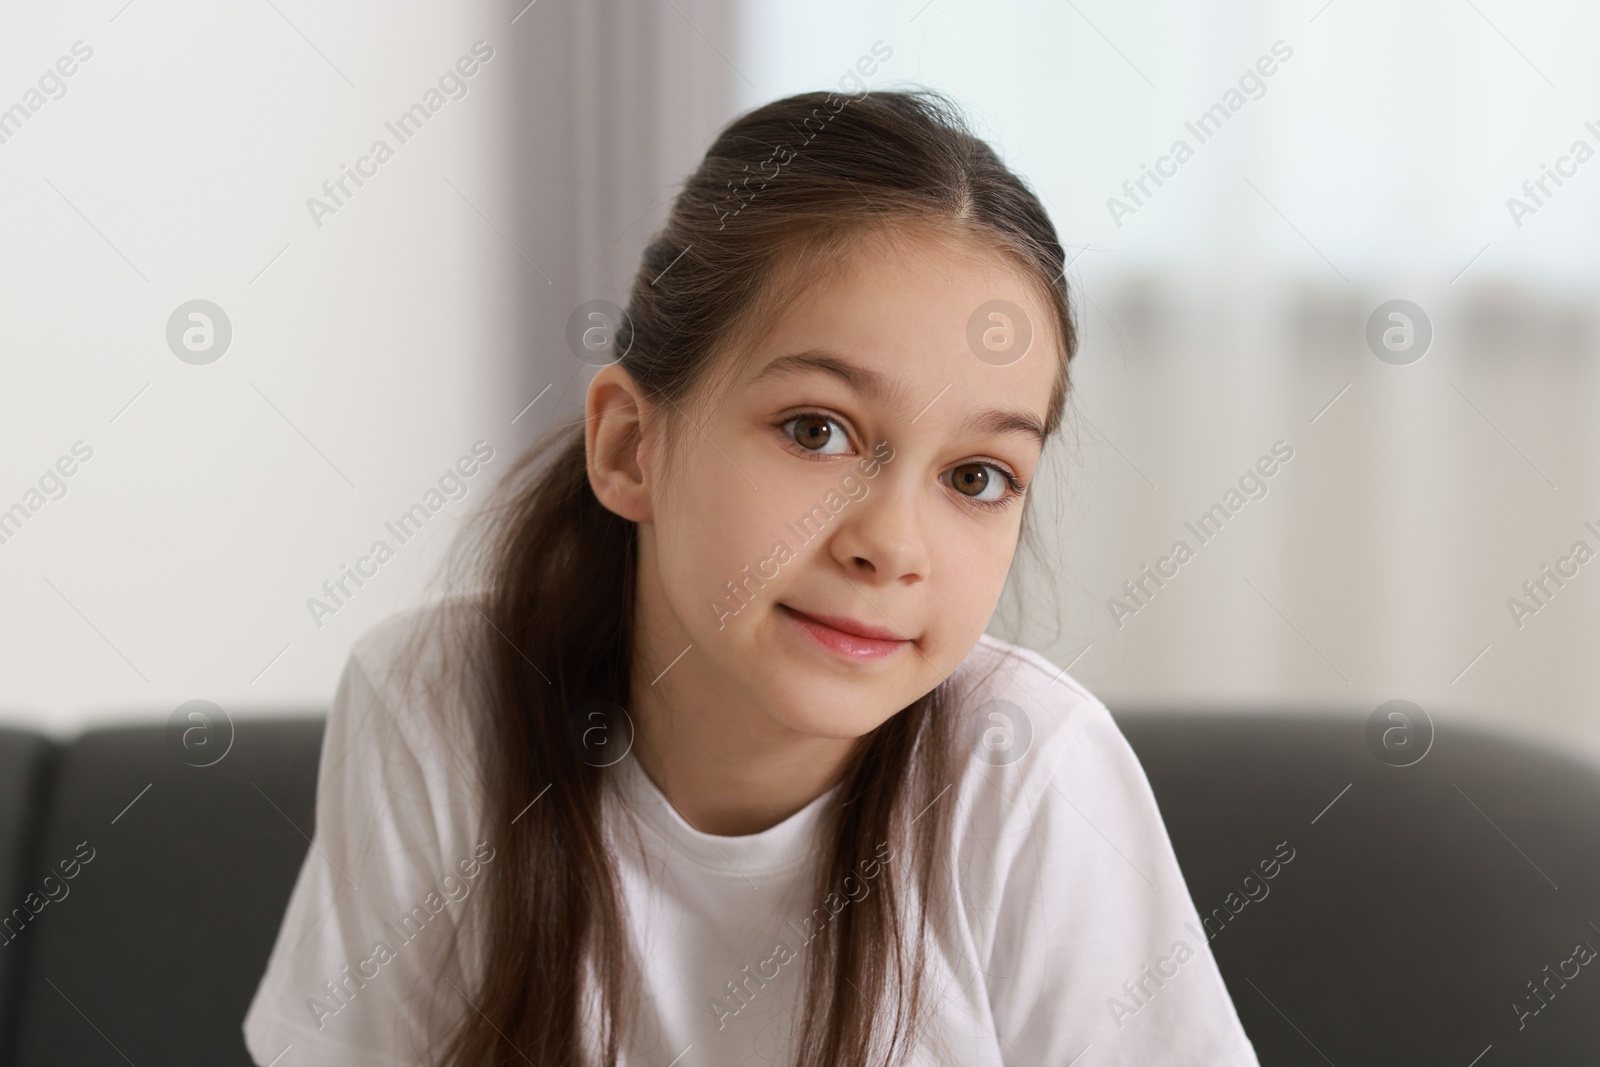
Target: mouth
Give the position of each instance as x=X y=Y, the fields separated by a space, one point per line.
x=846 y=637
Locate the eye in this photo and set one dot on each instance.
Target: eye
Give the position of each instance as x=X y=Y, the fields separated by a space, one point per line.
x=983 y=483
x=818 y=433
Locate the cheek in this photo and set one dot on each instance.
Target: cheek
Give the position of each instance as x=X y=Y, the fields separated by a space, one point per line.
x=711 y=521
x=970 y=569
x=705 y=529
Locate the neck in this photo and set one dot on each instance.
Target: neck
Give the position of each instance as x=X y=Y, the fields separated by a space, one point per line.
x=727 y=765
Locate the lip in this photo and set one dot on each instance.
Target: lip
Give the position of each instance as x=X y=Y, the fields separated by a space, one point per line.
x=847 y=637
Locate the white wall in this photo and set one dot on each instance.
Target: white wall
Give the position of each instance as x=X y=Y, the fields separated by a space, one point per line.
x=373 y=351
x=368 y=352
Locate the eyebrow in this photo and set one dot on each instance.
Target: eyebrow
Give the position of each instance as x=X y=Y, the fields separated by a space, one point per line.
x=875 y=386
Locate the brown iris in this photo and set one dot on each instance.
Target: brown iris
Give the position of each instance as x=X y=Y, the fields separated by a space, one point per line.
x=970 y=479
x=812 y=431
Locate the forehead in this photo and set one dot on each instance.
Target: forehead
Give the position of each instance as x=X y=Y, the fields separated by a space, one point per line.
x=911 y=310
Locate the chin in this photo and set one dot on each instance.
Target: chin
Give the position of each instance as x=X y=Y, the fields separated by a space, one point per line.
x=839 y=711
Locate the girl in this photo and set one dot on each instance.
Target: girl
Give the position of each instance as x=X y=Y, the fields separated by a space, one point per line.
x=720 y=766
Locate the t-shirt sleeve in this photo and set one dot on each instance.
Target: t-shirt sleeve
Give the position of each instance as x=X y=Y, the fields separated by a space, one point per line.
x=1097 y=947
x=362 y=968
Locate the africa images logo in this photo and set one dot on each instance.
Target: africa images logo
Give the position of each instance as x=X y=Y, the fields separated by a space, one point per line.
x=452 y=85
x=1252 y=85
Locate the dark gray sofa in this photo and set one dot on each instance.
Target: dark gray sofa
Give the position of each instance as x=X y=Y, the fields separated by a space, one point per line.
x=1406 y=929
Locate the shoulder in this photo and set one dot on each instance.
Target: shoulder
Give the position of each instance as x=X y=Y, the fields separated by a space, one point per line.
x=404 y=685
x=402 y=771
x=415 y=645
x=1019 y=707
x=1039 y=748
x=1068 y=884
x=398 y=827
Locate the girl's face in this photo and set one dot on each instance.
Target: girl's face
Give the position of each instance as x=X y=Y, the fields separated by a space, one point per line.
x=834 y=533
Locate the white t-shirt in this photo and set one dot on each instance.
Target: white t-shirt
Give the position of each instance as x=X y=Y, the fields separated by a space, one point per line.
x=1074 y=940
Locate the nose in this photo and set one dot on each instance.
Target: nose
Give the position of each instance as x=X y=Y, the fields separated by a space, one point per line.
x=883 y=539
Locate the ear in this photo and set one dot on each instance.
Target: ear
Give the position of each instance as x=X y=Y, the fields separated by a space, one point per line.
x=613 y=441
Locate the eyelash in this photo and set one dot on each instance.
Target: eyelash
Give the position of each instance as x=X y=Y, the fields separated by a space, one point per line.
x=1015 y=484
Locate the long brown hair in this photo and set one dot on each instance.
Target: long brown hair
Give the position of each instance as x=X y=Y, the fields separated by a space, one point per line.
x=782 y=188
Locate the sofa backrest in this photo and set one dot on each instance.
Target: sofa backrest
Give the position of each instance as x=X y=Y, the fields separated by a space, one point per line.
x=1421 y=899
x=1407 y=912
x=179 y=877
x=25 y=763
